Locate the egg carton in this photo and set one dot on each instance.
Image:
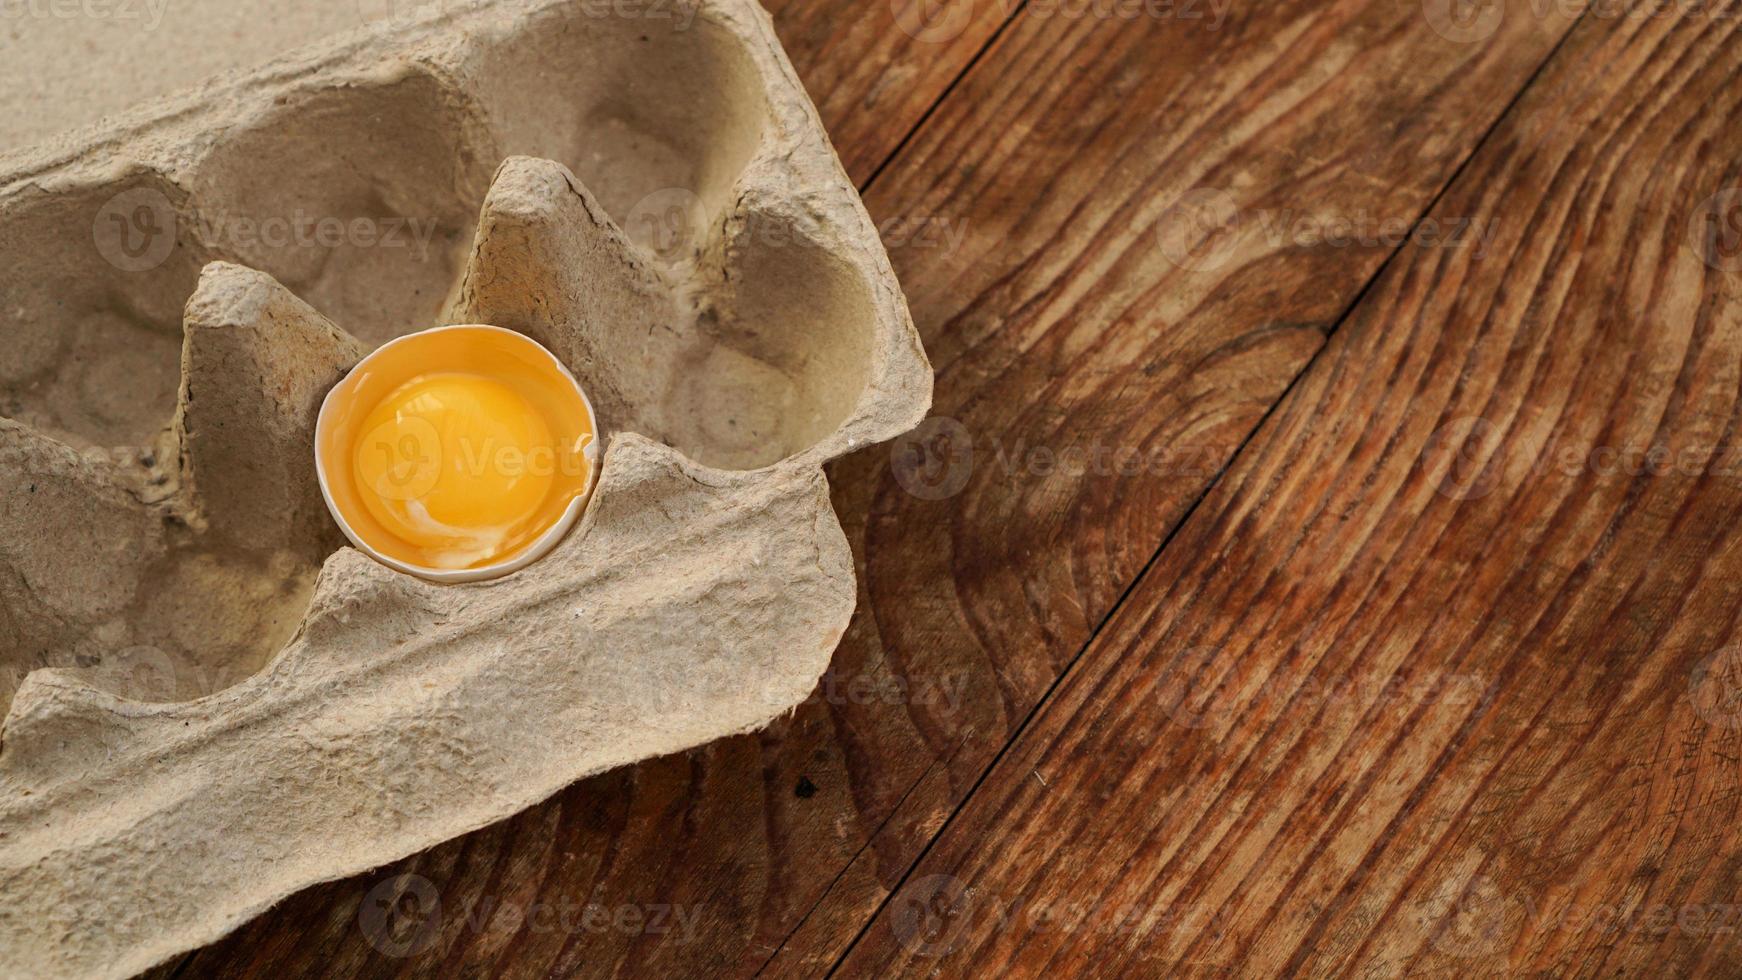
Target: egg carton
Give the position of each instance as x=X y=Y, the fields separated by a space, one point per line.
x=210 y=702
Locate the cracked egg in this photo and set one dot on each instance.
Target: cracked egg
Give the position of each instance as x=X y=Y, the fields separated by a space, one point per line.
x=457 y=454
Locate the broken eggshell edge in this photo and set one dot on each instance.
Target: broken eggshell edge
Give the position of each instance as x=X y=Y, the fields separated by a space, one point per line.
x=454 y=576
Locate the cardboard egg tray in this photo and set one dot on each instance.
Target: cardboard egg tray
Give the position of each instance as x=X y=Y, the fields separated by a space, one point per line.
x=209 y=702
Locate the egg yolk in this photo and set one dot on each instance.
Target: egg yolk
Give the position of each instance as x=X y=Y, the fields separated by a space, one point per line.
x=456 y=465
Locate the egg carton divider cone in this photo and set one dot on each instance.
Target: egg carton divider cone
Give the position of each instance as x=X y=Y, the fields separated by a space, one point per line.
x=210 y=703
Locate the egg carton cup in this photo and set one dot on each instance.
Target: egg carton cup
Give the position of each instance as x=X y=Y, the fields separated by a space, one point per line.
x=210 y=702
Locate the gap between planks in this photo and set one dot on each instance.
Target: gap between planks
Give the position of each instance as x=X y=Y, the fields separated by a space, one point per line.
x=1071 y=666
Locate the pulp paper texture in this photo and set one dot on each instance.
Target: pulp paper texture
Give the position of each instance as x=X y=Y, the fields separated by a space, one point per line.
x=209 y=703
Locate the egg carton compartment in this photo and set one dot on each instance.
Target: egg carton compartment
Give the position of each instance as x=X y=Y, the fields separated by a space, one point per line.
x=210 y=703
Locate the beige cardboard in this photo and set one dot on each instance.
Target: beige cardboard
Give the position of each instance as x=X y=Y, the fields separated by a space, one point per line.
x=210 y=704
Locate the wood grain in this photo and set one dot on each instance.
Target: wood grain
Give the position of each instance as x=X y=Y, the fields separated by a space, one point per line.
x=1442 y=679
x=1063 y=324
x=1102 y=384
x=875 y=67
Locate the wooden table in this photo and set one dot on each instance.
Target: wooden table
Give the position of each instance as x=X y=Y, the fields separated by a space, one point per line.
x=1327 y=557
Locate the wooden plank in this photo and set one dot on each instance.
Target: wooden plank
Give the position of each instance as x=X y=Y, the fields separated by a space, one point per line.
x=1069 y=326
x=1058 y=322
x=1441 y=680
x=874 y=69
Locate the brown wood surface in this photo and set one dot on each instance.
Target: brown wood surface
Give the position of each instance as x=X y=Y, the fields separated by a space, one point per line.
x=1102 y=384
x=1103 y=364
x=874 y=68
x=1442 y=680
